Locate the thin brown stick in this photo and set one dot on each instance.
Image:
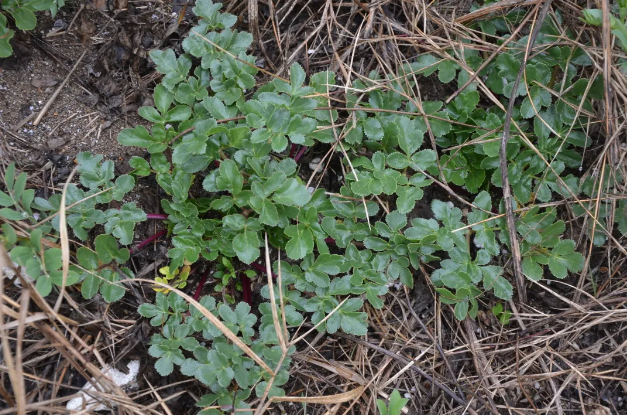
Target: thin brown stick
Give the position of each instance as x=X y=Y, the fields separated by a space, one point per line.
x=507 y=191
x=58 y=91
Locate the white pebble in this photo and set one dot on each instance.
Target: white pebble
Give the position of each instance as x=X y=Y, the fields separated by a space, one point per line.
x=117 y=377
x=451 y=205
x=315 y=165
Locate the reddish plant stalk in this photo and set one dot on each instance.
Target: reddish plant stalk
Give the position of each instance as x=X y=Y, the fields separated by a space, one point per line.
x=247 y=291
x=201 y=284
x=300 y=153
x=156 y=216
x=293 y=149
x=261 y=268
x=149 y=240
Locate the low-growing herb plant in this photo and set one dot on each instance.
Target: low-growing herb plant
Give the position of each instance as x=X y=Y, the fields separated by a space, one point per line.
x=501 y=314
x=395 y=406
x=219 y=146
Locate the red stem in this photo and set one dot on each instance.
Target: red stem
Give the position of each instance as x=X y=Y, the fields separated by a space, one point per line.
x=293 y=150
x=201 y=284
x=149 y=240
x=300 y=153
x=156 y=216
x=261 y=268
x=246 y=288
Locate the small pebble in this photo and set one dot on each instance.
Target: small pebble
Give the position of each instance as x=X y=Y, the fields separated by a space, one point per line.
x=59 y=24
x=315 y=165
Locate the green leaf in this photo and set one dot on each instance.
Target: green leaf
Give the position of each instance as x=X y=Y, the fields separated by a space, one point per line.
x=492 y=279
x=140 y=137
x=107 y=250
x=52 y=259
x=164 y=366
x=230 y=177
x=269 y=214
x=110 y=288
x=11 y=214
x=90 y=286
x=532 y=269
x=292 y=193
x=5 y=199
x=6 y=35
x=396 y=403
x=354 y=322
x=446 y=71
x=178 y=114
x=410 y=136
x=564 y=258
x=301 y=241
x=372 y=128
x=246 y=245
x=43 y=285
x=396 y=220
x=123 y=185
x=593 y=17
x=163 y=98
x=376 y=244
x=25 y=19
x=140 y=166
x=151 y=114
x=461 y=310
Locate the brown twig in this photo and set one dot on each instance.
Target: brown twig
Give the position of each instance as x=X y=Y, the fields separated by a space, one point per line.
x=507 y=191
x=58 y=91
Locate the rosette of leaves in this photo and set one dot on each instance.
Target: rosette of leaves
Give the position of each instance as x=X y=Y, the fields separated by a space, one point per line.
x=82 y=211
x=216 y=363
x=460 y=274
x=39 y=254
x=541 y=244
x=101 y=271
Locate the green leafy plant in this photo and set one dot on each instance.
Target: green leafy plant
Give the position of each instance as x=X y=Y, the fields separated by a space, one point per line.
x=221 y=149
x=216 y=363
x=394 y=407
x=236 y=146
x=23 y=13
x=40 y=254
x=501 y=314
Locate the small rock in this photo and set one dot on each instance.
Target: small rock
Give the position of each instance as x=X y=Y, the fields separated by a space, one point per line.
x=44 y=81
x=315 y=165
x=59 y=24
x=55 y=143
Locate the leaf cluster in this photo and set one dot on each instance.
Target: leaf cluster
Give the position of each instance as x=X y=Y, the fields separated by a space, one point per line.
x=23 y=14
